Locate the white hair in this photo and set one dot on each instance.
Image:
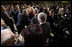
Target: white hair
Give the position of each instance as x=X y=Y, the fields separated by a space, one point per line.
x=42 y=15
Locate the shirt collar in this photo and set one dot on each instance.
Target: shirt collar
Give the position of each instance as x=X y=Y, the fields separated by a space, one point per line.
x=42 y=23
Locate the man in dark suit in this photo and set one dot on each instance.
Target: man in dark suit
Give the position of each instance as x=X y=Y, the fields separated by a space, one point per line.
x=22 y=21
x=13 y=14
x=6 y=17
x=42 y=17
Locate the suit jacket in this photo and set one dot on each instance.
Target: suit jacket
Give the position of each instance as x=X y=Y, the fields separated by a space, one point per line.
x=46 y=29
x=13 y=15
x=5 y=17
x=19 y=18
x=46 y=32
x=34 y=20
x=24 y=20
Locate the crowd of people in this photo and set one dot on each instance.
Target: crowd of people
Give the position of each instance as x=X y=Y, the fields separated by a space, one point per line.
x=39 y=25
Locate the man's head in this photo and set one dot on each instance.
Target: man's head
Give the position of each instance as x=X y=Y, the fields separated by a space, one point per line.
x=18 y=7
x=3 y=8
x=2 y=22
x=42 y=17
x=51 y=12
x=11 y=7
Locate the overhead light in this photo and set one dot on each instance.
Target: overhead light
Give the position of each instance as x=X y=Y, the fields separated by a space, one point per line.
x=65 y=15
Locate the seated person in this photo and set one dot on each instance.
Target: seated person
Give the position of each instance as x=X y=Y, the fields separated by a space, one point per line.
x=8 y=38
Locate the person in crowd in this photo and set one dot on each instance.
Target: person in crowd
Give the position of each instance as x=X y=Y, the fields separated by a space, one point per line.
x=48 y=7
x=12 y=13
x=31 y=14
x=34 y=19
x=57 y=9
x=19 y=17
x=33 y=35
x=6 y=34
x=67 y=13
x=6 y=17
x=41 y=8
x=3 y=25
x=16 y=13
x=23 y=20
x=61 y=10
x=7 y=38
x=50 y=17
x=42 y=17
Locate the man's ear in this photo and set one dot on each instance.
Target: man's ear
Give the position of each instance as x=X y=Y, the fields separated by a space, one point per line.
x=39 y=20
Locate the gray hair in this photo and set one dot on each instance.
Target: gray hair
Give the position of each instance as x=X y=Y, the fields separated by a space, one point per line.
x=42 y=16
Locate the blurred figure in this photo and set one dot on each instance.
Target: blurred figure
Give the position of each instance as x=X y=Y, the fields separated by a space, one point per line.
x=33 y=35
x=12 y=13
x=6 y=17
x=3 y=25
x=41 y=8
x=42 y=17
x=6 y=34
x=57 y=9
x=48 y=7
x=61 y=10
x=67 y=14
x=19 y=17
x=50 y=18
x=23 y=20
x=7 y=38
x=34 y=19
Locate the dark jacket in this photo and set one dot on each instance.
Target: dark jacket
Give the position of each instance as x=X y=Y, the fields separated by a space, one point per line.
x=6 y=18
x=34 y=20
x=46 y=29
x=14 y=14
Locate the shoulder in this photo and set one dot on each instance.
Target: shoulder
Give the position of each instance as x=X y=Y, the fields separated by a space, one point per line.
x=2 y=13
x=48 y=23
